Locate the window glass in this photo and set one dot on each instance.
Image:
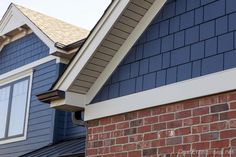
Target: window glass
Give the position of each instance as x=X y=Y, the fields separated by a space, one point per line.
x=4 y=102
x=18 y=108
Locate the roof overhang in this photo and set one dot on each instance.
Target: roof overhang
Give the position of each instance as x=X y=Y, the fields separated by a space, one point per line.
x=15 y=24
x=110 y=41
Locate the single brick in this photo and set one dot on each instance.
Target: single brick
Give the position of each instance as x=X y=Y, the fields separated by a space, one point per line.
x=220 y=144
x=150 y=136
x=174 y=141
x=148 y=152
x=201 y=146
x=210 y=136
x=219 y=108
x=182 y=131
x=191 y=138
x=228 y=134
x=138 y=122
x=130 y=131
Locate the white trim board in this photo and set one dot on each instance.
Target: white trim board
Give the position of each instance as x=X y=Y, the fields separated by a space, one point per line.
x=198 y=87
x=137 y=32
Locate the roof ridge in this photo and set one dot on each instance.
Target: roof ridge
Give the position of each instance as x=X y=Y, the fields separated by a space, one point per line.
x=56 y=29
x=20 y=7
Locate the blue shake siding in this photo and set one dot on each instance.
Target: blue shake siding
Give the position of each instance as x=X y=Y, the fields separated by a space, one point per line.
x=187 y=39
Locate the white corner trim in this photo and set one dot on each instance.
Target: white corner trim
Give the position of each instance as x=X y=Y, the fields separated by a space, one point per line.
x=139 y=29
x=91 y=44
x=20 y=76
x=198 y=87
x=14 y=73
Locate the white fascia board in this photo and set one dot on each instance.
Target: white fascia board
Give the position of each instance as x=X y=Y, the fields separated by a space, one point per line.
x=122 y=52
x=72 y=102
x=198 y=87
x=91 y=44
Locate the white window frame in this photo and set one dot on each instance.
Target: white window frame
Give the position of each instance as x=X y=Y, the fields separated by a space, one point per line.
x=13 y=78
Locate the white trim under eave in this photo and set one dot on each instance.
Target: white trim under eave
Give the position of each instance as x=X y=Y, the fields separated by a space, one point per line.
x=91 y=44
x=198 y=87
x=139 y=29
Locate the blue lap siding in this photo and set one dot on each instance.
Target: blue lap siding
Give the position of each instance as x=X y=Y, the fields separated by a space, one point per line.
x=41 y=129
x=187 y=39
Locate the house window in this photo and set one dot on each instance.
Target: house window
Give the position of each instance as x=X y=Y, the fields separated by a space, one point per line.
x=13 y=108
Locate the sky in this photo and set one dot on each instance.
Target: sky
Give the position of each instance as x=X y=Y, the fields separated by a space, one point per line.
x=82 y=13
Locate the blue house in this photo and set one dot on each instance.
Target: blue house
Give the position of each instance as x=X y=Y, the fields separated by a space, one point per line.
x=156 y=78
x=153 y=78
x=35 y=49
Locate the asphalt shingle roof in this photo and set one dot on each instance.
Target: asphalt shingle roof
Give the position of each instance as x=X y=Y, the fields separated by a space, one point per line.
x=55 y=29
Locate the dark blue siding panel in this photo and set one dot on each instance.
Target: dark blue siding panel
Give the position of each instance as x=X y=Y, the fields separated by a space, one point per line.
x=187 y=20
x=230 y=6
x=212 y=64
x=192 y=4
x=152 y=48
x=149 y=81
x=198 y=39
x=197 y=51
x=229 y=59
x=221 y=25
x=214 y=10
x=232 y=22
x=207 y=30
x=225 y=42
x=179 y=39
x=180 y=56
x=155 y=63
x=211 y=47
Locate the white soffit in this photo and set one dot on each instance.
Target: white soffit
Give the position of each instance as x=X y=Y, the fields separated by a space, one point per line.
x=103 y=50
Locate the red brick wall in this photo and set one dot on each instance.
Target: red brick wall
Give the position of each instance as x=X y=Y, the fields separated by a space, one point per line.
x=204 y=126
